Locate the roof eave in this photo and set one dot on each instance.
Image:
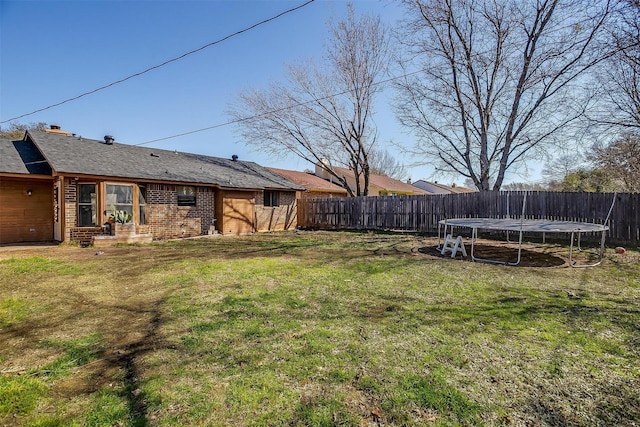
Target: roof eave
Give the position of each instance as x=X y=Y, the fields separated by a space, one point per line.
x=25 y=175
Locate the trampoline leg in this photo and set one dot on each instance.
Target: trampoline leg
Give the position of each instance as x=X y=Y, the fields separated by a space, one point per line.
x=579 y=247
x=573 y=264
x=519 y=250
x=474 y=236
x=439 y=247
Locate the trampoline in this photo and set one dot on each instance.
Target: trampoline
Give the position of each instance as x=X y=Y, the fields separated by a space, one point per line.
x=523 y=225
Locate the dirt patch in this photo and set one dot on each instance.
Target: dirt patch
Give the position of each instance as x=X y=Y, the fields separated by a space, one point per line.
x=26 y=247
x=532 y=255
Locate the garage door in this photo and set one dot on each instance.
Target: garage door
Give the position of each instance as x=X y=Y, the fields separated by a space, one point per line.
x=26 y=211
x=238 y=212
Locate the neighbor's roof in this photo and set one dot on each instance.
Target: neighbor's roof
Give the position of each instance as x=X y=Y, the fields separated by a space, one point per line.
x=309 y=181
x=384 y=182
x=438 y=188
x=82 y=156
x=21 y=157
x=395 y=185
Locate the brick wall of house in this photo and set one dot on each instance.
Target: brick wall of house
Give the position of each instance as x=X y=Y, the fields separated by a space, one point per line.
x=83 y=235
x=70 y=207
x=73 y=233
x=282 y=217
x=167 y=220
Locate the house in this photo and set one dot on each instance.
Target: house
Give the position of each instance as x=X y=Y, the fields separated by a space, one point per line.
x=379 y=185
x=314 y=186
x=58 y=186
x=436 y=188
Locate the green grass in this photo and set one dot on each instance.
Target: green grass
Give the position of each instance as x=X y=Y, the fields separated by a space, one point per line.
x=12 y=311
x=38 y=264
x=314 y=329
x=19 y=395
x=75 y=353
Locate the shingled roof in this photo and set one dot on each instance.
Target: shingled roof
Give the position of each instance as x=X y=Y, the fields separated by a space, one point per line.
x=383 y=182
x=310 y=181
x=82 y=156
x=436 y=188
x=22 y=157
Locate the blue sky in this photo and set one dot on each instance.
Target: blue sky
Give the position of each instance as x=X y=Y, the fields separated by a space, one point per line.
x=55 y=50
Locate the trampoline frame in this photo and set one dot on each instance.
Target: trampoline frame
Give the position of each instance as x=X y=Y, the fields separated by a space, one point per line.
x=522 y=225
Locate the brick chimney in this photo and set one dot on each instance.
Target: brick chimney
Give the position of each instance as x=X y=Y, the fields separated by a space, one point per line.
x=56 y=129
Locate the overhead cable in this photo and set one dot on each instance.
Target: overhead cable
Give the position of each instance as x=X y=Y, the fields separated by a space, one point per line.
x=299 y=104
x=169 y=61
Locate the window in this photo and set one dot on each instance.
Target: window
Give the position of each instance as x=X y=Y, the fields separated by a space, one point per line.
x=271 y=198
x=142 y=204
x=87 y=205
x=186 y=195
x=120 y=198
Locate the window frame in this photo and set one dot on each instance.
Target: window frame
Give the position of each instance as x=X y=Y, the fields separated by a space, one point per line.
x=117 y=205
x=187 y=201
x=271 y=198
x=142 y=204
x=93 y=204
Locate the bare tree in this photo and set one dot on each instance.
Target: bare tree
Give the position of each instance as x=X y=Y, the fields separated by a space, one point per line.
x=523 y=186
x=323 y=114
x=555 y=170
x=622 y=71
x=620 y=160
x=500 y=80
x=381 y=162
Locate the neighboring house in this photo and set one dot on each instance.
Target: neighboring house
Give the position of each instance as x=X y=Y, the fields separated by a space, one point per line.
x=435 y=188
x=378 y=185
x=57 y=186
x=314 y=186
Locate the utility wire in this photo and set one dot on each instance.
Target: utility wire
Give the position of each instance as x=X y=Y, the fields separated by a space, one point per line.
x=299 y=104
x=177 y=58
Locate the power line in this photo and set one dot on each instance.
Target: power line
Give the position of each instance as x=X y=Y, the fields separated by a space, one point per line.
x=169 y=61
x=299 y=104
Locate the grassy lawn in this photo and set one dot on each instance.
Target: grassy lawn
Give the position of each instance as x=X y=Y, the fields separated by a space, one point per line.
x=314 y=329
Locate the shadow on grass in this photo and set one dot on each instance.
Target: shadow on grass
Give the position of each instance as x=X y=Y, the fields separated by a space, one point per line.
x=584 y=334
x=616 y=404
x=111 y=361
x=334 y=245
x=529 y=257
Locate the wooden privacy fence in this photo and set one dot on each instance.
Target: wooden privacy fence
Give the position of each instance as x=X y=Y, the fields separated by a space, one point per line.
x=422 y=213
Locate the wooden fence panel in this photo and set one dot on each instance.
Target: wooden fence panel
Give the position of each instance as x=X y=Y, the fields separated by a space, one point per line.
x=422 y=213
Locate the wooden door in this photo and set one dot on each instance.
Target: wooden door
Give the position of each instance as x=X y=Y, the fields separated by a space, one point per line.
x=238 y=212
